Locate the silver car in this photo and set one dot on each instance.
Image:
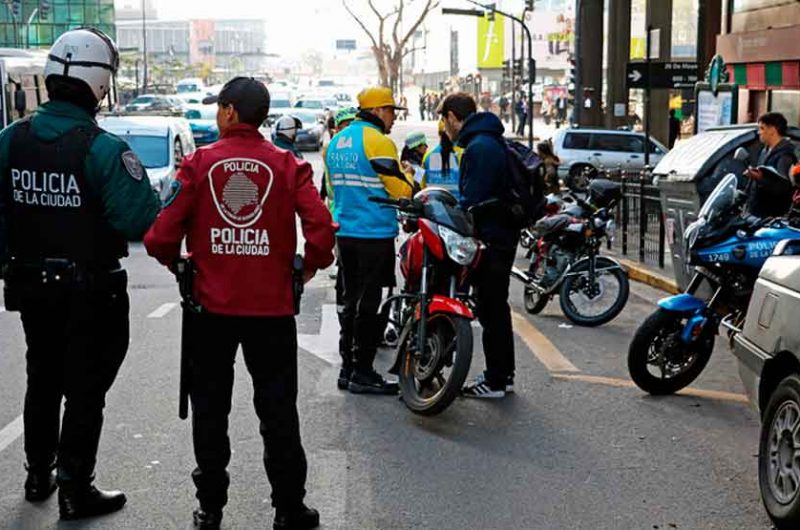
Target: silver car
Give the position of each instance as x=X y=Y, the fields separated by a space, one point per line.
x=584 y=151
x=768 y=351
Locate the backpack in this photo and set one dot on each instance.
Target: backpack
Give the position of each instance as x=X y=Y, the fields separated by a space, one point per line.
x=525 y=183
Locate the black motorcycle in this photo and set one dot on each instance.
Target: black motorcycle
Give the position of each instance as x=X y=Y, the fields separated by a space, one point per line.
x=565 y=260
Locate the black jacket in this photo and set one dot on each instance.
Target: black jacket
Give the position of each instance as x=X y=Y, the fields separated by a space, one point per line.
x=772 y=195
x=483 y=177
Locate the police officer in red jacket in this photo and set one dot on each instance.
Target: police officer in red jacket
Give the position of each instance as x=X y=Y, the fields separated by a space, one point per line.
x=235 y=202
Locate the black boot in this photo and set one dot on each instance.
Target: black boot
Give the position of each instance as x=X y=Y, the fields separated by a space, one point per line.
x=207 y=519
x=301 y=518
x=76 y=502
x=40 y=484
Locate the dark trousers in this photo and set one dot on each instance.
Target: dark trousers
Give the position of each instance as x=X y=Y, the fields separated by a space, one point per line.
x=269 y=345
x=367 y=266
x=522 y=121
x=491 y=281
x=77 y=337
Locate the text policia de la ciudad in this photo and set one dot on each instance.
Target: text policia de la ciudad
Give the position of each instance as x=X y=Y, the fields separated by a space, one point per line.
x=245 y=186
x=57 y=190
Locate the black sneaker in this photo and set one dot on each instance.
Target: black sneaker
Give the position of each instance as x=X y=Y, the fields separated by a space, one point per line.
x=344 y=378
x=482 y=390
x=371 y=383
x=207 y=519
x=481 y=377
x=303 y=518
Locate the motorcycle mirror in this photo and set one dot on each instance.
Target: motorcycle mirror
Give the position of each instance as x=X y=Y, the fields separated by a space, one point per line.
x=741 y=155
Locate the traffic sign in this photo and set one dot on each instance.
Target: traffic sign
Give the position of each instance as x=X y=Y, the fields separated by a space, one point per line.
x=662 y=74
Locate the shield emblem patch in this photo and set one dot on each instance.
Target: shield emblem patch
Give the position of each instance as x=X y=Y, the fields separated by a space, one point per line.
x=239 y=188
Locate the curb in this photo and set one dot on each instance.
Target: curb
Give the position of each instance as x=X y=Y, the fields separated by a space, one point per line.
x=642 y=275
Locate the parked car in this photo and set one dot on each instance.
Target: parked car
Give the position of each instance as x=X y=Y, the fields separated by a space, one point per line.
x=192 y=84
x=203 y=122
x=160 y=142
x=310 y=136
x=584 y=151
x=768 y=352
x=319 y=104
x=280 y=104
x=153 y=102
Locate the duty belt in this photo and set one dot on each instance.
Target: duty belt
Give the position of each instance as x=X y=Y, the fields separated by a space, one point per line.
x=57 y=271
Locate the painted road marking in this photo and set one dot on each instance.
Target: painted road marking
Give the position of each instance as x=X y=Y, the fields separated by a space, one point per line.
x=2 y=309
x=625 y=383
x=541 y=346
x=325 y=345
x=10 y=432
x=163 y=310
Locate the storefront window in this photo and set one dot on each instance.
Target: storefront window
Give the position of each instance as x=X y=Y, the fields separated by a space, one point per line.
x=684 y=28
x=787 y=102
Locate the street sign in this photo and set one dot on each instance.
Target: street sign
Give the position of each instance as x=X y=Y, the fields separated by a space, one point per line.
x=662 y=74
x=346 y=44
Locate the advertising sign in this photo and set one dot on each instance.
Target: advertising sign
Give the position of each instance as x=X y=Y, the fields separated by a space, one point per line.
x=491 y=42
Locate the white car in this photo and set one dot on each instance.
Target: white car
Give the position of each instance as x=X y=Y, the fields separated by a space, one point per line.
x=159 y=142
x=583 y=151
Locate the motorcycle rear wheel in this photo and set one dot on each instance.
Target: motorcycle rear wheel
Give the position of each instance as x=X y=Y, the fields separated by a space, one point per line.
x=652 y=347
x=425 y=390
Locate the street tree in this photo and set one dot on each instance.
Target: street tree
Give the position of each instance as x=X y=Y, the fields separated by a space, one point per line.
x=389 y=33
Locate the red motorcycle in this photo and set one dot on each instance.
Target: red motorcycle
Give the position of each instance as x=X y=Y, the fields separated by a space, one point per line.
x=433 y=311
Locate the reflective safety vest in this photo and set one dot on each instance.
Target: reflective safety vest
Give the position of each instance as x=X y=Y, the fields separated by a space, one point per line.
x=349 y=161
x=434 y=172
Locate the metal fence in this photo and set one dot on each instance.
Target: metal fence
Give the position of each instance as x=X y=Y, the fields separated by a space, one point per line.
x=640 y=230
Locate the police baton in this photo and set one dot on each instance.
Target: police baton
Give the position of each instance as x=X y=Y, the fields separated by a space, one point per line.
x=298 y=282
x=184 y=272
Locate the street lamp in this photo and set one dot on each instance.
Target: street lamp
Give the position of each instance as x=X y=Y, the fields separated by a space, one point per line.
x=492 y=8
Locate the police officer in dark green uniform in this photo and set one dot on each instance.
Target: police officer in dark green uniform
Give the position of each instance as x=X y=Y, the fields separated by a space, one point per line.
x=71 y=196
x=286 y=129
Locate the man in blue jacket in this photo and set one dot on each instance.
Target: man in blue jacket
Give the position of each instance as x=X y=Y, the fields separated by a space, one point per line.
x=484 y=169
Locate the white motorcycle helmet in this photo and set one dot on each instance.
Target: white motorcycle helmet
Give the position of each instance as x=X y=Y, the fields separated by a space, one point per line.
x=85 y=54
x=288 y=126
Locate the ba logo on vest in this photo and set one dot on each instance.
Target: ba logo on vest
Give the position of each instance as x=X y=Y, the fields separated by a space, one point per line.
x=239 y=188
x=53 y=190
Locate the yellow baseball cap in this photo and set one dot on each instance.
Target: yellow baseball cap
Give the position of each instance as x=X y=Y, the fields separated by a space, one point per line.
x=377 y=97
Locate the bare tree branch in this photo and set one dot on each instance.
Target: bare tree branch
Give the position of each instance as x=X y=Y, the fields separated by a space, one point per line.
x=358 y=20
x=397 y=23
x=430 y=5
x=412 y=50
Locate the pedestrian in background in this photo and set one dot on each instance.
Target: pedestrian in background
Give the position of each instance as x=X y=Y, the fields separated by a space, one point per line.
x=441 y=163
x=61 y=241
x=362 y=162
x=414 y=148
x=484 y=170
x=522 y=115
x=235 y=204
x=674 y=128
x=551 y=163
x=423 y=105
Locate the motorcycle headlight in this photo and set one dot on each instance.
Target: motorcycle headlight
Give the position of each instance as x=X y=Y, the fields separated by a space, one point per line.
x=691 y=234
x=461 y=249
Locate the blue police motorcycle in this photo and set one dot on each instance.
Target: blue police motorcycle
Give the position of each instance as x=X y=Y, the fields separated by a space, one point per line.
x=727 y=249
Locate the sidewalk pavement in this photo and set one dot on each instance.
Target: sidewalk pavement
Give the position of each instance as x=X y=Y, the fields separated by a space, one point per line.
x=646 y=273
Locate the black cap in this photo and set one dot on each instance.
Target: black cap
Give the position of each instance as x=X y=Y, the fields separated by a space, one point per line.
x=249 y=97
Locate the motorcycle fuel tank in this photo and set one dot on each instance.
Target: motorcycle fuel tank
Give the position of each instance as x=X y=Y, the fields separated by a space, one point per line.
x=749 y=251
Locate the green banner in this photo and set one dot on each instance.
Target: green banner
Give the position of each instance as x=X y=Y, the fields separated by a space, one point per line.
x=491 y=42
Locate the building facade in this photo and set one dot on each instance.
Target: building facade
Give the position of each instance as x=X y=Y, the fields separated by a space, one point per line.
x=225 y=46
x=38 y=23
x=761 y=45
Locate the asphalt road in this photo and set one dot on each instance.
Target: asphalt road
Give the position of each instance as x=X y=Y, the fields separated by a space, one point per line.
x=575 y=447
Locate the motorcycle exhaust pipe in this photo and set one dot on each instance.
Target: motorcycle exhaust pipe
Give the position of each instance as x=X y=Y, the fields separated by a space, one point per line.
x=525 y=278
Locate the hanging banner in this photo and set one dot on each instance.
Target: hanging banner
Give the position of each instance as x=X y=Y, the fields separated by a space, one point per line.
x=491 y=42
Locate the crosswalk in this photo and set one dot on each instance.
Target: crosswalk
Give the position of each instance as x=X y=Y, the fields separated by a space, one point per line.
x=163 y=310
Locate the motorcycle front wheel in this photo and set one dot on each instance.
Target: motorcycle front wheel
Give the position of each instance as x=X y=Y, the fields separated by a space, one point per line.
x=659 y=361
x=430 y=381
x=593 y=303
x=533 y=300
